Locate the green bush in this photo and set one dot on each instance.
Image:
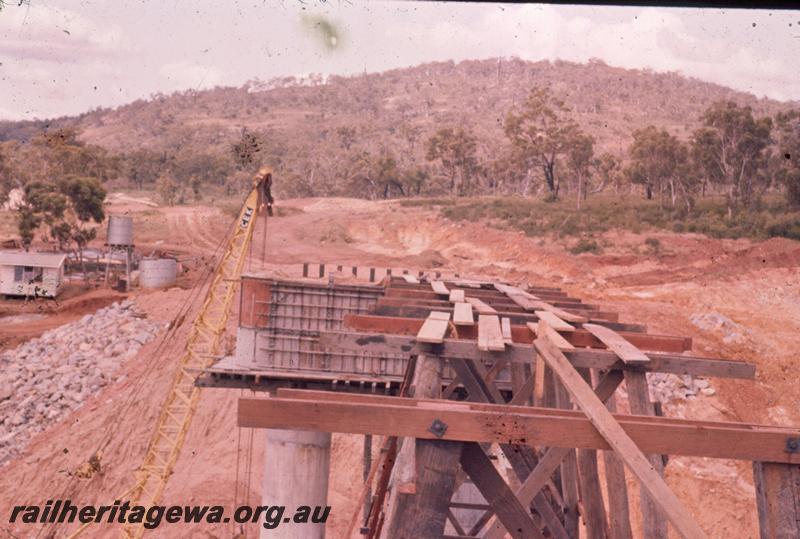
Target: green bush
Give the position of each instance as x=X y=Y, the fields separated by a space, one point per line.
x=653 y=244
x=785 y=226
x=586 y=246
x=536 y=218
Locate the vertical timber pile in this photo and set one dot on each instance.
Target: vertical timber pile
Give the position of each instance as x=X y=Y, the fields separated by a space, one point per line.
x=296 y=466
x=778 y=497
x=425 y=470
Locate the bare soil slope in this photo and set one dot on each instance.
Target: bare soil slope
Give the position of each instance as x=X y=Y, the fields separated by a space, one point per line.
x=756 y=286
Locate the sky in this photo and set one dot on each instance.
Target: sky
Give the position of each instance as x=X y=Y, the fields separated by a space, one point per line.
x=66 y=57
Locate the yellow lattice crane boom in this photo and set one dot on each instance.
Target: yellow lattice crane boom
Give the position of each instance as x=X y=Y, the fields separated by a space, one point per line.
x=203 y=345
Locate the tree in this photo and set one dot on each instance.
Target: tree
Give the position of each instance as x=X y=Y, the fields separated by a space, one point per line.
x=27 y=224
x=456 y=150
x=731 y=149
x=788 y=154
x=143 y=167
x=6 y=182
x=580 y=160
x=246 y=151
x=347 y=137
x=44 y=205
x=85 y=197
x=660 y=162
x=168 y=189
x=65 y=207
x=609 y=169
x=59 y=153
x=542 y=133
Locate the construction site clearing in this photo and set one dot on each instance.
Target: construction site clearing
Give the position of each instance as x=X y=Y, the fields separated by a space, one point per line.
x=479 y=397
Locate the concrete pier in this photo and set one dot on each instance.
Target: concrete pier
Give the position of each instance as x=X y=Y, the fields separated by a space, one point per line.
x=296 y=466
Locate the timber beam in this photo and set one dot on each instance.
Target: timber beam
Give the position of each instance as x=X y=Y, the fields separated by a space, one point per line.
x=476 y=422
x=377 y=343
x=393 y=307
x=520 y=334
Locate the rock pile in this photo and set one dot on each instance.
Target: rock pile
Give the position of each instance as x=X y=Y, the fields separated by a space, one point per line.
x=44 y=379
x=731 y=332
x=666 y=387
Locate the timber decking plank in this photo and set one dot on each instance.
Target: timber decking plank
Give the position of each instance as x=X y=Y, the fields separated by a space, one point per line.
x=554 y=321
x=561 y=313
x=543 y=328
x=505 y=327
x=440 y=288
x=490 y=336
x=462 y=315
x=615 y=342
x=480 y=306
x=456 y=296
x=434 y=328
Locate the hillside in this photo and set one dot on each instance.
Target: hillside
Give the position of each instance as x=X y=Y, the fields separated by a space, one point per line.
x=312 y=127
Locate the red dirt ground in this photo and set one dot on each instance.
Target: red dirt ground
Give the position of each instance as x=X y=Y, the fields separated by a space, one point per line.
x=756 y=285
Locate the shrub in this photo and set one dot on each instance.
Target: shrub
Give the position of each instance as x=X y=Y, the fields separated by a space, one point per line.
x=785 y=226
x=586 y=246
x=653 y=245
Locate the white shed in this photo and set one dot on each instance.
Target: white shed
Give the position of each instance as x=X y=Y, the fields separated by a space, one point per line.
x=31 y=274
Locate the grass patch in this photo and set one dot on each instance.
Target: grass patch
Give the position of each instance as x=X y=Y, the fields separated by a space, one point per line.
x=427 y=202
x=653 y=245
x=585 y=245
x=603 y=213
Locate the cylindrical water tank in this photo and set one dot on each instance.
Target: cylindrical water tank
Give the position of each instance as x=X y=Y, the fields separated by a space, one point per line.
x=157 y=272
x=120 y=230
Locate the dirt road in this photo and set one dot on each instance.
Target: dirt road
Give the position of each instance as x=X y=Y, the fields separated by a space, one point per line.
x=754 y=285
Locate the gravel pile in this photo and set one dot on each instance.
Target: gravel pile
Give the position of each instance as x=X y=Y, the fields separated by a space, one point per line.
x=44 y=379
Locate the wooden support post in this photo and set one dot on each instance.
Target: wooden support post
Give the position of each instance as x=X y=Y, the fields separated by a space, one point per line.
x=305 y=269
x=550 y=462
x=367 y=467
x=591 y=494
x=569 y=471
x=425 y=470
x=127 y=270
x=619 y=518
x=372 y=275
x=521 y=458
x=321 y=271
x=778 y=499
x=513 y=515
x=619 y=440
x=654 y=523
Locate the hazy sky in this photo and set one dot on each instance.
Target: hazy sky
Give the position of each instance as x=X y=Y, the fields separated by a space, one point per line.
x=65 y=57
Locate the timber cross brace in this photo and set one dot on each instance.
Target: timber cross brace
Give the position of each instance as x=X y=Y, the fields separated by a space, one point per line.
x=509 y=399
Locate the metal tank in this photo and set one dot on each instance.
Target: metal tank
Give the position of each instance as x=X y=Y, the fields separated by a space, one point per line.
x=157 y=272
x=120 y=230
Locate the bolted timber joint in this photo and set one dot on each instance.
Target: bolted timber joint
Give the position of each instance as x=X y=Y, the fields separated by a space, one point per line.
x=438 y=428
x=793 y=445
